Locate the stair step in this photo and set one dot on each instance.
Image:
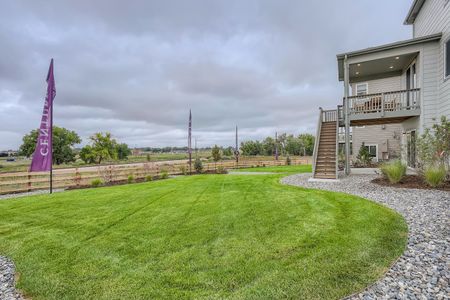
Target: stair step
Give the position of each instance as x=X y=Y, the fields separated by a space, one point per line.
x=325 y=176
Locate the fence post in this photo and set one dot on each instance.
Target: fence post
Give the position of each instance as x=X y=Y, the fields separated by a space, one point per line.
x=29 y=183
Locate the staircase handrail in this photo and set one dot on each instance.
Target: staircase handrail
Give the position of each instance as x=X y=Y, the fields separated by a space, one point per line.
x=316 y=142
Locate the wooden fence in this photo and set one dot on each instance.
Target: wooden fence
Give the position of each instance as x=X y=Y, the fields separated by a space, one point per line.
x=17 y=182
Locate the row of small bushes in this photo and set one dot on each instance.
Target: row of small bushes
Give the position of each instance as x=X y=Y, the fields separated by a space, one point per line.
x=434 y=175
x=98 y=182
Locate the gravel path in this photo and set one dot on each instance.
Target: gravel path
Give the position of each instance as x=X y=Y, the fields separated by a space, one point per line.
x=38 y=192
x=423 y=271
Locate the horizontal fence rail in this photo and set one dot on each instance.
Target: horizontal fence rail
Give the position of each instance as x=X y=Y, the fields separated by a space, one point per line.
x=17 y=182
x=385 y=102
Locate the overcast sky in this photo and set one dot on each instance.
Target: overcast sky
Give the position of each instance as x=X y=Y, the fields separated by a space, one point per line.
x=134 y=68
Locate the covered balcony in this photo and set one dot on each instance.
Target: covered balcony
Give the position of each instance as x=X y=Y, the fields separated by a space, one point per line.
x=396 y=74
x=384 y=108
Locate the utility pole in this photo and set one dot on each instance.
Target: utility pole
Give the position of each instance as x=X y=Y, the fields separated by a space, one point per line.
x=276 y=145
x=236 y=148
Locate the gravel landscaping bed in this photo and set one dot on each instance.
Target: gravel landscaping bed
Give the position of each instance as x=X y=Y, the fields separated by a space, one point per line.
x=423 y=271
x=38 y=192
x=7 y=282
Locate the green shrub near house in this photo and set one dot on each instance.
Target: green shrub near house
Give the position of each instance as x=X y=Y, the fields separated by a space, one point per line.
x=394 y=171
x=435 y=175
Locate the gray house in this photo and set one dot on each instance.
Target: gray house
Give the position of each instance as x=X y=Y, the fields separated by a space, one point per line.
x=382 y=141
x=408 y=84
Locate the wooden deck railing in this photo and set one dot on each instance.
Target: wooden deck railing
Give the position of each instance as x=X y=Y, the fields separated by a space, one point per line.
x=403 y=100
x=16 y=182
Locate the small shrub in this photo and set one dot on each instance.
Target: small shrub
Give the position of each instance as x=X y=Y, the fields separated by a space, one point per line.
x=364 y=158
x=164 y=174
x=130 y=178
x=198 y=165
x=96 y=182
x=148 y=157
x=221 y=170
x=148 y=178
x=394 y=171
x=434 y=175
x=288 y=161
x=183 y=170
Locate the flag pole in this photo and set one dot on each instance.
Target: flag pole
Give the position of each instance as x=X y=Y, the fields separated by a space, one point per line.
x=51 y=142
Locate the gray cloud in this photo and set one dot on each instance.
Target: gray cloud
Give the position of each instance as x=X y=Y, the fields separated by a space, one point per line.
x=135 y=69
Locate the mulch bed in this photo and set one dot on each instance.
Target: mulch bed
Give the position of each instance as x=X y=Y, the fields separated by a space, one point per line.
x=411 y=182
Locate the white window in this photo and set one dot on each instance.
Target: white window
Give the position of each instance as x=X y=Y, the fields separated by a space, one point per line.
x=447 y=59
x=362 y=89
x=373 y=151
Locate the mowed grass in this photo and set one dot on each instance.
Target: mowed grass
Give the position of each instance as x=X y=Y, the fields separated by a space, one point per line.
x=279 y=169
x=204 y=237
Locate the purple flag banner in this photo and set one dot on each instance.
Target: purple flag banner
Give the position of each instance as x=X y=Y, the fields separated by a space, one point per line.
x=43 y=156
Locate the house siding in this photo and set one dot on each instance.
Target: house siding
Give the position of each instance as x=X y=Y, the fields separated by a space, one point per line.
x=382 y=85
x=387 y=137
x=434 y=17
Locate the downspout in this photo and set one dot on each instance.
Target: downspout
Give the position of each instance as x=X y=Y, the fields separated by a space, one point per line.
x=346 y=116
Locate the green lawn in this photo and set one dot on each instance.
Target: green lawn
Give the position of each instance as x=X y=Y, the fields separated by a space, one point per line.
x=279 y=169
x=207 y=236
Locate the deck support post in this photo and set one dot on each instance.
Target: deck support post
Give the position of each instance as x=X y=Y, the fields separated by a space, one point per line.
x=346 y=115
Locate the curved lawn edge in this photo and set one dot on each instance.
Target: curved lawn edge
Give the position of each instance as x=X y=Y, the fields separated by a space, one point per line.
x=383 y=275
x=275 y=179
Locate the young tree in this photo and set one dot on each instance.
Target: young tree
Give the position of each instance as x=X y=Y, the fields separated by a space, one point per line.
x=364 y=155
x=123 y=151
x=307 y=142
x=268 y=145
x=63 y=142
x=87 y=155
x=198 y=165
x=251 y=148
x=215 y=152
x=103 y=147
x=228 y=151
x=293 y=145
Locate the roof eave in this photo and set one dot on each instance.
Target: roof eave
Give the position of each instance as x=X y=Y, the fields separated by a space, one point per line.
x=413 y=12
x=419 y=40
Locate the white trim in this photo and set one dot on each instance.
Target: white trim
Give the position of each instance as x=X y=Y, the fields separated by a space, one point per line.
x=376 y=147
x=445 y=59
x=356 y=88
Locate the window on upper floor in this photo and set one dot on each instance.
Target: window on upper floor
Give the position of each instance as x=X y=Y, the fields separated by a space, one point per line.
x=362 y=89
x=447 y=59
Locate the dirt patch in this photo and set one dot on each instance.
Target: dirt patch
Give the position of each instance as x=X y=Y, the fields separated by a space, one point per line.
x=411 y=182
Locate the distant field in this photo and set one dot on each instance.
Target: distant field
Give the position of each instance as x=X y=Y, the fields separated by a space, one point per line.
x=22 y=164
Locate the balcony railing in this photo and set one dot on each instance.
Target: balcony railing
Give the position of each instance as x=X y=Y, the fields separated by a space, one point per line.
x=403 y=100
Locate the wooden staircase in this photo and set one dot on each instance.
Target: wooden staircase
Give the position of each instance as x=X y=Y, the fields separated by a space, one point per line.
x=325 y=156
